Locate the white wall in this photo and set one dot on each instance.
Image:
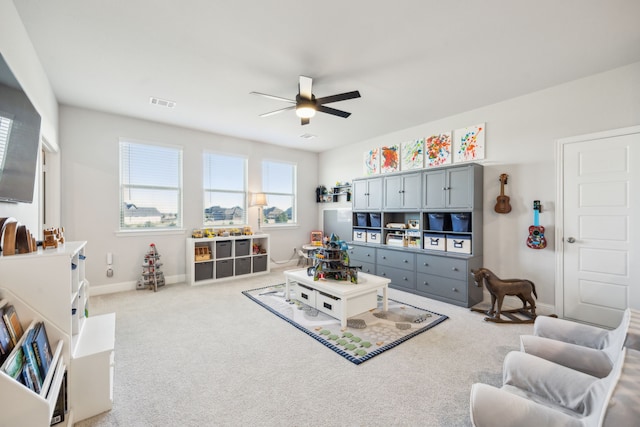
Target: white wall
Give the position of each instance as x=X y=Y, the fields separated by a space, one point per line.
x=89 y=145
x=520 y=141
x=18 y=52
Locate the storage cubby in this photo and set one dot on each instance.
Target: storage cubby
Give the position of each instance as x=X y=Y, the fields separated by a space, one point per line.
x=50 y=286
x=212 y=259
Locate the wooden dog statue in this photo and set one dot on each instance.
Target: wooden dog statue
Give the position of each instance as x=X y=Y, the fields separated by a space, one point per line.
x=499 y=288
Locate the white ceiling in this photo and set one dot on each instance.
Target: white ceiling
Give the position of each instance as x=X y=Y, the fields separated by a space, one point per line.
x=413 y=61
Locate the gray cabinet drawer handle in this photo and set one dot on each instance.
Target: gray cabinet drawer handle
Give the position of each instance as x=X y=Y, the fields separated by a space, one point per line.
x=405 y=279
x=454 y=268
x=405 y=260
x=454 y=289
x=425 y=283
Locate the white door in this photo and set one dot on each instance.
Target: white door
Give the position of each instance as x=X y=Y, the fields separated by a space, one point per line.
x=598 y=237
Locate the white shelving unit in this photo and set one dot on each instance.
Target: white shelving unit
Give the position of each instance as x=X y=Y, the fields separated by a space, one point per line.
x=228 y=258
x=50 y=285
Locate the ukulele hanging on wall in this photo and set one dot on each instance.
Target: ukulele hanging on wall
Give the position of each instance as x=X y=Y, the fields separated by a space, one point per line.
x=536 y=239
x=502 y=201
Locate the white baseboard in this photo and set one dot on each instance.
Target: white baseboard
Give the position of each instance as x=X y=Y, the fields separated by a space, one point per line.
x=129 y=286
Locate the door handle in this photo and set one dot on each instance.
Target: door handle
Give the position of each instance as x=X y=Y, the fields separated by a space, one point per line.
x=571 y=240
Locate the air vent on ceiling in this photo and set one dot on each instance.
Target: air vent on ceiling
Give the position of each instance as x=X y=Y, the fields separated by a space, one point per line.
x=162 y=102
x=307 y=136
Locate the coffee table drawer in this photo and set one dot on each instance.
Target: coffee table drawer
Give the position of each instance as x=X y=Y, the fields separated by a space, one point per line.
x=306 y=295
x=329 y=304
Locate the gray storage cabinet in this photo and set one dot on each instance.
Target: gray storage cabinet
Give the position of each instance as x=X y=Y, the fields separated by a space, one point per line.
x=445 y=202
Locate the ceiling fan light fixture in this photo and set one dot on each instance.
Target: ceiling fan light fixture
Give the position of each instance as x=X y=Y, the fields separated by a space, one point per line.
x=305 y=108
x=305 y=112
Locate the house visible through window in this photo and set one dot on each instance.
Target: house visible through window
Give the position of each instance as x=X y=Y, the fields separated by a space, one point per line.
x=150 y=186
x=279 y=185
x=225 y=190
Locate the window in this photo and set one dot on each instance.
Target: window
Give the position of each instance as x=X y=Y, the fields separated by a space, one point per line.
x=225 y=190
x=150 y=186
x=279 y=185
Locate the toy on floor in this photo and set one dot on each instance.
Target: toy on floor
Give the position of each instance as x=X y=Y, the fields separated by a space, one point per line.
x=152 y=276
x=499 y=288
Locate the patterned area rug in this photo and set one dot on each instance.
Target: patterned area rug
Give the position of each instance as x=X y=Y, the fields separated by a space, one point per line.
x=366 y=335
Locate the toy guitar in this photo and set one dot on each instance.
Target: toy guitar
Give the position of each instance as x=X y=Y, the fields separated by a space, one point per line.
x=502 y=201
x=536 y=239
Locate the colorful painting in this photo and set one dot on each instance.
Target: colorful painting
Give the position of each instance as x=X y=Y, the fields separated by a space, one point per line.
x=438 y=149
x=390 y=159
x=412 y=153
x=372 y=162
x=469 y=143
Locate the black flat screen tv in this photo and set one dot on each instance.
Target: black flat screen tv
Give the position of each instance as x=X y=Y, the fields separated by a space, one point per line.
x=19 y=140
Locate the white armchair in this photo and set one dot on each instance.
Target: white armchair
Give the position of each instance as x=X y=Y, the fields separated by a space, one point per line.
x=585 y=348
x=537 y=392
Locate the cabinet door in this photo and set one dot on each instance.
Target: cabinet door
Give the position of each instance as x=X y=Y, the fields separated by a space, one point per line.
x=460 y=188
x=375 y=193
x=434 y=189
x=393 y=187
x=411 y=191
x=402 y=191
x=360 y=195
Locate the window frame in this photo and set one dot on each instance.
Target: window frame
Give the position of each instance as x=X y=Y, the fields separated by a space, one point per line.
x=179 y=227
x=244 y=191
x=293 y=195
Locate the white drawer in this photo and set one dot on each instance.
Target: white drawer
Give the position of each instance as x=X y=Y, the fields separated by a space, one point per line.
x=306 y=295
x=329 y=304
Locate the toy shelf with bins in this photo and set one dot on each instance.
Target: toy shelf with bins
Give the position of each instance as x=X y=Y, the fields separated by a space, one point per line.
x=50 y=285
x=213 y=259
x=393 y=230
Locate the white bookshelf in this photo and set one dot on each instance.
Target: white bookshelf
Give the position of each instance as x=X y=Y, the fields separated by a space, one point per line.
x=50 y=286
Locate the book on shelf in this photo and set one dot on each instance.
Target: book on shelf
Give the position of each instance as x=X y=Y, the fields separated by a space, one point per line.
x=6 y=345
x=12 y=321
x=61 y=403
x=30 y=362
x=41 y=349
x=14 y=364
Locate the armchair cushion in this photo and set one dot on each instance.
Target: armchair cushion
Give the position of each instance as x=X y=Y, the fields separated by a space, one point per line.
x=586 y=348
x=584 y=359
x=539 y=392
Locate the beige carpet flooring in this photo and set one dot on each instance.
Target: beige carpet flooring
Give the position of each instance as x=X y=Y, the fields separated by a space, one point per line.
x=209 y=356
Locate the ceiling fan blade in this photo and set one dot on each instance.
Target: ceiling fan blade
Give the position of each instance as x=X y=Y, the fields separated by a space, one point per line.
x=271 y=113
x=304 y=87
x=278 y=98
x=339 y=97
x=304 y=121
x=333 y=111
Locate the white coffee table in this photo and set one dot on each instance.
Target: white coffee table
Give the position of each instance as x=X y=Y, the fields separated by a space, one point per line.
x=339 y=299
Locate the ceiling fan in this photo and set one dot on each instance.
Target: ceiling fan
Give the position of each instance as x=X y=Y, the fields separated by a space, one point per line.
x=306 y=104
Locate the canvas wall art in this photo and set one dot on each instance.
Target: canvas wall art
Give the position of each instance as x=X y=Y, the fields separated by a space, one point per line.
x=438 y=149
x=372 y=162
x=469 y=143
x=390 y=158
x=412 y=155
